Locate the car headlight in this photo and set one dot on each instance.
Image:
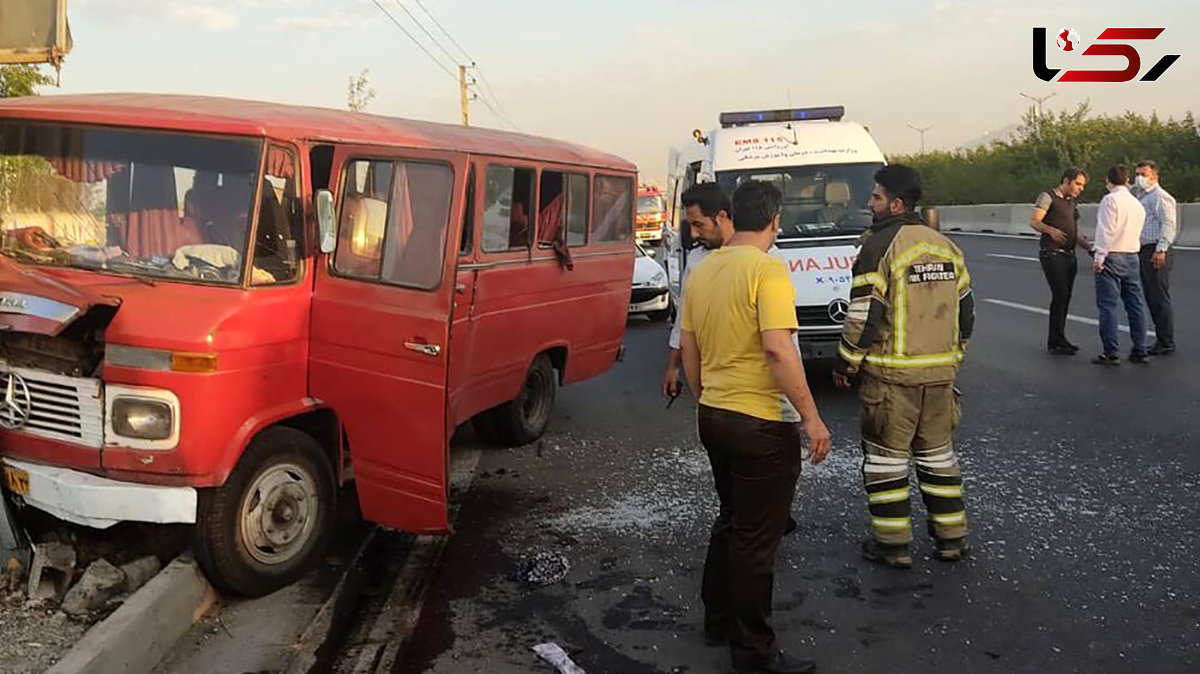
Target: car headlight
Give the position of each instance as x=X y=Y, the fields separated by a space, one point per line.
x=142 y=418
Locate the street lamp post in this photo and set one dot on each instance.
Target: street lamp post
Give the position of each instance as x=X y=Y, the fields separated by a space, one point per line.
x=1039 y=101
x=921 y=130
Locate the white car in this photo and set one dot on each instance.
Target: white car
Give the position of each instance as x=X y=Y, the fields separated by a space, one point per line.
x=651 y=296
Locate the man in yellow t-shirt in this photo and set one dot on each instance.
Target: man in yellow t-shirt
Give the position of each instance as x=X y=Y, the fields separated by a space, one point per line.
x=741 y=363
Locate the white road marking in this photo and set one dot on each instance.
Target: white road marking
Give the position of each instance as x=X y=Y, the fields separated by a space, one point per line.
x=1024 y=237
x=1070 y=317
x=1023 y=258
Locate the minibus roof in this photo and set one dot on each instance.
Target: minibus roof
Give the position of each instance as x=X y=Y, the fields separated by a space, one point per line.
x=215 y=115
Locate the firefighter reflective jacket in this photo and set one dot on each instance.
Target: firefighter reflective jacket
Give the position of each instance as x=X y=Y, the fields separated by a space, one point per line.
x=911 y=309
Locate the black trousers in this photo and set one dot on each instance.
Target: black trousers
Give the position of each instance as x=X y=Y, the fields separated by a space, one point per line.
x=1060 y=270
x=1156 y=283
x=755 y=466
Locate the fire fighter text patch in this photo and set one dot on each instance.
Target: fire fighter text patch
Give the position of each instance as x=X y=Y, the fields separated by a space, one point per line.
x=931 y=272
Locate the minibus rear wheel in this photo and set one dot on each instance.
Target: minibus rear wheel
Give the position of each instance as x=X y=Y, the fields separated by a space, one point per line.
x=271 y=520
x=524 y=419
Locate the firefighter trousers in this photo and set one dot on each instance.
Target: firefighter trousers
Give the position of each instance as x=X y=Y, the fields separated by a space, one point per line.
x=900 y=424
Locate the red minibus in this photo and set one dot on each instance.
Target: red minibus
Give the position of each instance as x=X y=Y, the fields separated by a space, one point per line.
x=216 y=311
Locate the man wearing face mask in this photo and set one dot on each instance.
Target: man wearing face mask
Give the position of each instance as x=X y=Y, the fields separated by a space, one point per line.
x=911 y=314
x=1158 y=236
x=1056 y=217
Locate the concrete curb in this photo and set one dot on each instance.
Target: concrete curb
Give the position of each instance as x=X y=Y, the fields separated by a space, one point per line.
x=136 y=637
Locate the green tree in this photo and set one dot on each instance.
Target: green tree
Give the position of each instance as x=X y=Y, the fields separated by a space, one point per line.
x=360 y=92
x=1015 y=172
x=22 y=80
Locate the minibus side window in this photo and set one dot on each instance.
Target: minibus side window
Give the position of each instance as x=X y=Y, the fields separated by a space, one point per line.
x=552 y=206
x=280 y=221
x=417 y=224
x=363 y=218
x=612 y=207
x=467 y=242
x=577 y=210
x=507 y=212
x=394 y=221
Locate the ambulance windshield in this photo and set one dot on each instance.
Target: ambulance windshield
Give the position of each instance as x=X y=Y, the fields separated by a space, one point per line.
x=818 y=201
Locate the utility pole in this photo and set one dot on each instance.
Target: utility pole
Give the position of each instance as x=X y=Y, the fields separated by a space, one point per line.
x=921 y=131
x=463 y=98
x=1039 y=101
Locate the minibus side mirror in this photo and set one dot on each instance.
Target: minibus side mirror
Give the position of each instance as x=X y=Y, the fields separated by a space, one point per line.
x=650 y=253
x=325 y=221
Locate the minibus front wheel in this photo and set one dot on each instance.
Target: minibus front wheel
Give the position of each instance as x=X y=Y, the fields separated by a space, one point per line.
x=271 y=520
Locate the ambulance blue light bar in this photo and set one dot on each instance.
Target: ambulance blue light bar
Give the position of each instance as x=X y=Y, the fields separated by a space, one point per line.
x=832 y=113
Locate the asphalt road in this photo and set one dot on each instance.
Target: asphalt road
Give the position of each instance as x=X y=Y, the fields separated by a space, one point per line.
x=1080 y=485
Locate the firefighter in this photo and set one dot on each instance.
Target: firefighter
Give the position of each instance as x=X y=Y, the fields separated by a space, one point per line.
x=911 y=314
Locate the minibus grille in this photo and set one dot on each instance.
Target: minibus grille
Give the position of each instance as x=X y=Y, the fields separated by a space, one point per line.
x=70 y=409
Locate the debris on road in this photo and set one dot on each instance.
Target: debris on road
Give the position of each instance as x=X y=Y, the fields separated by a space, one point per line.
x=541 y=569
x=100 y=583
x=554 y=655
x=34 y=635
x=139 y=572
x=58 y=558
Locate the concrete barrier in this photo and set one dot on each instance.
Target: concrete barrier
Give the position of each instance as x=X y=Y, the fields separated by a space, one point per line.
x=1014 y=219
x=146 y=627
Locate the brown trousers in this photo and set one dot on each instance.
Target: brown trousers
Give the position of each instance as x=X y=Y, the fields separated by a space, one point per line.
x=900 y=424
x=755 y=466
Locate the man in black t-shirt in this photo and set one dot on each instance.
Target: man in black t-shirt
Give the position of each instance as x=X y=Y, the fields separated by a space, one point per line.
x=1056 y=217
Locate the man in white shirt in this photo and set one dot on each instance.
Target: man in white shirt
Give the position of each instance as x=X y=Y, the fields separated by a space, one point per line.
x=1158 y=236
x=1119 y=223
x=707 y=214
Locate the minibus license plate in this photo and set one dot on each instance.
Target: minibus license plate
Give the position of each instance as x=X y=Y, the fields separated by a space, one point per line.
x=17 y=480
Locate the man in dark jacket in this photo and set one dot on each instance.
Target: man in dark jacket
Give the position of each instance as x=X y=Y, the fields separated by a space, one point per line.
x=1056 y=217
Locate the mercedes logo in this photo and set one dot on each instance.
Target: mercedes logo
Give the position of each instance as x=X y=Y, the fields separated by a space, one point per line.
x=838 y=310
x=16 y=404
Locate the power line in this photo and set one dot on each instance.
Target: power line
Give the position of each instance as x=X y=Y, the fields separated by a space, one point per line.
x=425 y=30
x=499 y=115
x=485 y=85
x=483 y=89
x=415 y=41
x=445 y=32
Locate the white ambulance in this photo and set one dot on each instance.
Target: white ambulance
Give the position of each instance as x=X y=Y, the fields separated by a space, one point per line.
x=825 y=168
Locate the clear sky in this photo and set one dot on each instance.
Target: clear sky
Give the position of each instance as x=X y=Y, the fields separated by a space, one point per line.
x=634 y=78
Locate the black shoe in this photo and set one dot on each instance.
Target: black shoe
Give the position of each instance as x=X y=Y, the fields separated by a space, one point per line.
x=1162 y=349
x=1139 y=358
x=711 y=639
x=1105 y=359
x=895 y=556
x=952 y=550
x=1064 y=350
x=782 y=663
x=791 y=526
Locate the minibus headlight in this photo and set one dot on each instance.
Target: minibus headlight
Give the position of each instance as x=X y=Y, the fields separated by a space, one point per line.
x=142 y=418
